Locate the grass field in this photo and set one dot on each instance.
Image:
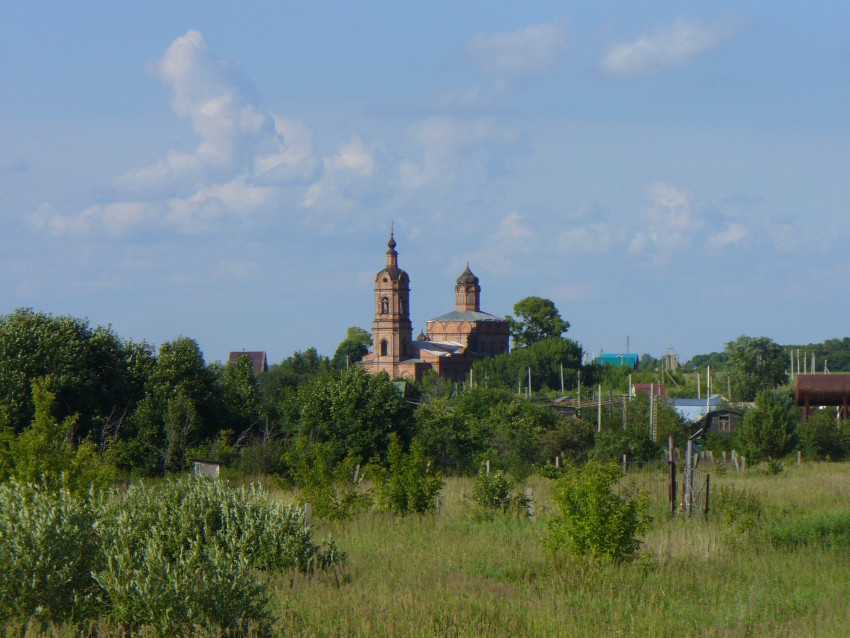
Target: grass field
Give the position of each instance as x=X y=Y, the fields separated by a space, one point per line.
x=784 y=573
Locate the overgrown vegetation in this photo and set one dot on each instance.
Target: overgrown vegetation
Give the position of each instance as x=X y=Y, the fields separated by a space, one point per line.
x=165 y=560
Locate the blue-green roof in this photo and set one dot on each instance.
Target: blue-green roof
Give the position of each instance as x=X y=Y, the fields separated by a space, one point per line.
x=614 y=359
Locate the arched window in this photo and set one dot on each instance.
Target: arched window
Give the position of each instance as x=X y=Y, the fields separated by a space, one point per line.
x=401 y=306
x=385 y=305
x=384 y=347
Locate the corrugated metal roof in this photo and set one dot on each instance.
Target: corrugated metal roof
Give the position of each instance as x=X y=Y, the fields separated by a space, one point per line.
x=467 y=315
x=615 y=359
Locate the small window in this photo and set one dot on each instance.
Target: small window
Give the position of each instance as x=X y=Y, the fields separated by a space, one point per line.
x=401 y=306
x=384 y=347
x=724 y=423
x=385 y=305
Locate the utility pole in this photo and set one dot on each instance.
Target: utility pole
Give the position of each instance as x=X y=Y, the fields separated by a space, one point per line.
x=599 y=409
x=562 y=380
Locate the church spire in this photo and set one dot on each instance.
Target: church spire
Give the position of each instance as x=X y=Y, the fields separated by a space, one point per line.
x=392 y=255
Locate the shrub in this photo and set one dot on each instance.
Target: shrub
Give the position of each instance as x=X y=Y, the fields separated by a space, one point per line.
x=492 y=493
x=48 y=548
x=183 y=555
x=407 y=484
x=328 y=486
x=739 y=508
x=595 y=521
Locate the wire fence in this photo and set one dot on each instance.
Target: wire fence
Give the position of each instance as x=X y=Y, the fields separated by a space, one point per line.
x=686 y=490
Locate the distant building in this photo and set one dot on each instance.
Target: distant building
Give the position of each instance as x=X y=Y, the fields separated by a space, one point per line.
x=618 y=359
x=259 y=363
x=451 y=343
x=655 y=389
x=692 y=410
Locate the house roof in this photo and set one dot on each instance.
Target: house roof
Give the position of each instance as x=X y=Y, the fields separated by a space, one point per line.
x=467 y=315
x=617 y=359
x=259 y=363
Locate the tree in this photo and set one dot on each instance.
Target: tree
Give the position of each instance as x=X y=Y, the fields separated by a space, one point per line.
x=546 y=358
x=537 y=319
x=352 y=349
x=823 y=437
x=769 y=430
x=355 y=413
x=595 y=521
x=91 y=371
x=755 y=364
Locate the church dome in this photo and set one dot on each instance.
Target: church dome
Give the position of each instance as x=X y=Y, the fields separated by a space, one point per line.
x=467 y=277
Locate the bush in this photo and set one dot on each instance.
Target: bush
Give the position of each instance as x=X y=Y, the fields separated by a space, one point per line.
x=183 y=555
x=739 y=508
x=595 y=521
x=407 y=484
x=328 y=486
x=48 y=549
x=492 y=494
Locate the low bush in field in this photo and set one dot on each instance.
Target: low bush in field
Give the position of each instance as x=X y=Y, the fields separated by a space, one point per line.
x=820 y=530
x=739 y=508
x=330 y=487
x=595 y=521
x=48 y=549
x=406 y=484
x=165 y=560
x=493 y=493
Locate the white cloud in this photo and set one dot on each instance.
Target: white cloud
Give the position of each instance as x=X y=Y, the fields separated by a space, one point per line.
x=451 y=146
x=353 y=163
x=668 y=223
x=734 y=233
x=243 y=160
x=511 y=237
x=669 y=46
x=112 y=219
x=532 y=50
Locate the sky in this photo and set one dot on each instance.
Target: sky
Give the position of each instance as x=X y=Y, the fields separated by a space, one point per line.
x=674 y=174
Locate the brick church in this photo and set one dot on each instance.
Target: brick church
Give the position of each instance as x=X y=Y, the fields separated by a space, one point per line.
x=451 y=342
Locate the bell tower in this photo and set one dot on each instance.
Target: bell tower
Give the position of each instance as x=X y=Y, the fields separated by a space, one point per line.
x=467 y=292
x=392 y=332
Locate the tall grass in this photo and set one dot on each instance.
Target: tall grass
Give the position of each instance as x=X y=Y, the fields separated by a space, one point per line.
x=460 y=575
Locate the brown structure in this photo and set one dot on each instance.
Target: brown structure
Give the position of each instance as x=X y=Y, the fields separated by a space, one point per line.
x=259 y=363
x=451 y=342
x=821 y=390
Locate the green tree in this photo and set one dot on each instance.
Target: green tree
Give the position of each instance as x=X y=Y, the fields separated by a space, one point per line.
x=448 y=436
x=93 y=374
x=177 y=409
x=537 y=319
x=43 y=453
x=823 y=437
x=355 y=413
x=595 y=521
x=755 y=363
x=407 y=483
x=769 y=430
x=352 y=349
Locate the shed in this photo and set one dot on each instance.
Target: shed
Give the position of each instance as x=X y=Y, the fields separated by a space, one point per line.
x=205 y=467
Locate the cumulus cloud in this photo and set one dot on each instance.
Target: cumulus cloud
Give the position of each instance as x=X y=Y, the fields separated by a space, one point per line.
x=511 y=237
x=668 y=223
x=733 y=234
x=669 y=46
x=111 y=219
x=529 y=51
x=353 y=163
x=451 y=146
x=244 y=156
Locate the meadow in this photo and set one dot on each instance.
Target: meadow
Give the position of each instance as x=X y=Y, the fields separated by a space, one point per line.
x=772 y=560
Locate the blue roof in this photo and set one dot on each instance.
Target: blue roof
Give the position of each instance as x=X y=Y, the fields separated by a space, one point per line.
x=613 y=359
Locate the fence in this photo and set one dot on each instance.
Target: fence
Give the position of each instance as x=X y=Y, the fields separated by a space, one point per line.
x=668 y=486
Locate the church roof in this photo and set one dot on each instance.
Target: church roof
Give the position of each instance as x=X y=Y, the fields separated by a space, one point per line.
x=467 y=315
x=466 y=277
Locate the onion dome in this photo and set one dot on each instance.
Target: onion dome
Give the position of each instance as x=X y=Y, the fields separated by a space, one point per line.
x=467 y=277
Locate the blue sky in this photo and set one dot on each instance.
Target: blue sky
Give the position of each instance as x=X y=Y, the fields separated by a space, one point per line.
x=674 y=172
